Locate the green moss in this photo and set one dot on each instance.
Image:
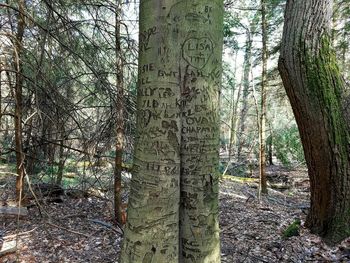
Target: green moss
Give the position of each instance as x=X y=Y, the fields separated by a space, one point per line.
x=340 y=230
x=292 y=229
x=326 y=86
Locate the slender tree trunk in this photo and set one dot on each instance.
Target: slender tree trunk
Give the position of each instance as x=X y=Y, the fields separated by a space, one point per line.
x=270 y=146
x=18 y=98
x=51 y=148
x=152 y=228
x=61 y=161
x=41 y=99
x=246 y=86
x=61 y=155
x=177 y=141
x=27 y=147
x=234 y=110
x=315 y=88
x=262 y=124
x=119 y=121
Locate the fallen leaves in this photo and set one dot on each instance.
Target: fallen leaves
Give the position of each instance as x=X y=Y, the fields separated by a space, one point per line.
x=67 y=235
x=80 y=229
x=251 y=229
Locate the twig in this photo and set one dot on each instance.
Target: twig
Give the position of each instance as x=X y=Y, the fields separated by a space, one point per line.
x=72 y=215
x=107 y=225
x=67 y=229
x=34 y=195
x=20 y=234
x=9 y=173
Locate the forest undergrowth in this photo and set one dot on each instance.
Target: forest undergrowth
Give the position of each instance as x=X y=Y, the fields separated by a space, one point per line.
x=80 y=228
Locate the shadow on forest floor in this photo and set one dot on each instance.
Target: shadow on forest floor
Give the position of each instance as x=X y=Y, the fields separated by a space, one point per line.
x=251 y=229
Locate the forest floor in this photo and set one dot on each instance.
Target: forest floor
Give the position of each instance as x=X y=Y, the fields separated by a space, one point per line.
x=80 y=229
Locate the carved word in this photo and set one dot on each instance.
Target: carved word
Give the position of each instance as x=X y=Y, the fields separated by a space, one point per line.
x=197 y=51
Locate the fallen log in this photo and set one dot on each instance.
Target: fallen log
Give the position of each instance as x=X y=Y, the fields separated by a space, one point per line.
x=13 y=211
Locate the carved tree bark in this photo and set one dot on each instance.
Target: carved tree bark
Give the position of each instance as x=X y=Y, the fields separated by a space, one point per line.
x=315 y=88
x=173 y=204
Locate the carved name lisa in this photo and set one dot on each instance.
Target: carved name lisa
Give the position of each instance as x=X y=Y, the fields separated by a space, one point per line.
x=197 y=51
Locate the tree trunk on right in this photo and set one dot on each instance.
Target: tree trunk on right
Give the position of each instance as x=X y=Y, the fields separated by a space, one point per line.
x=316 y=91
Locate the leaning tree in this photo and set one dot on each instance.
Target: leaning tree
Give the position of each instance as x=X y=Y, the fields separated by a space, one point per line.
x=173 y=204
x=318 y=97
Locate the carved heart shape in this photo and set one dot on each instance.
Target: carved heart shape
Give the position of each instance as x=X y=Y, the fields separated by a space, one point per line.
x=197 y=51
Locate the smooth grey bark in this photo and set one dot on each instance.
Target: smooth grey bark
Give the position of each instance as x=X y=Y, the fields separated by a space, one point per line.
x=173 y=203
x=201 y=69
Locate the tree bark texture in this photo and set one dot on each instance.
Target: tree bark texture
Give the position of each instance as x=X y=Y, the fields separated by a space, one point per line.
x=173 y=203
x=315 y=88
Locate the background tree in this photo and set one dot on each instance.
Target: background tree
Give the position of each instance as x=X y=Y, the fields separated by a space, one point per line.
x=263 y=101
x=120 y=118
x=241 y=17
x=69 y=90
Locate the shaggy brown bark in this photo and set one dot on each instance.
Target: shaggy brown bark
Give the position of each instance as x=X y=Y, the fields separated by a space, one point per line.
x=315 y=88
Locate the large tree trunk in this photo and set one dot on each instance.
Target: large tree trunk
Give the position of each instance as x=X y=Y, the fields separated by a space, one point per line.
x=201 y=43
x=315 y=88
x=152 y=228
x=177 y=139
